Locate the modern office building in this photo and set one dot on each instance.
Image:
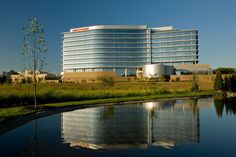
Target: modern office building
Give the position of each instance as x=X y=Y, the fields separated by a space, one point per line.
x=122 y=49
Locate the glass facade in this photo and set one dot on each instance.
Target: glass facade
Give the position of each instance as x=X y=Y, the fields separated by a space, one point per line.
x=125 y=48
x=174 y=47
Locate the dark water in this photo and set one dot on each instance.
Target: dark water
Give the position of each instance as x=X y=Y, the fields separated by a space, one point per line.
x=190 y=127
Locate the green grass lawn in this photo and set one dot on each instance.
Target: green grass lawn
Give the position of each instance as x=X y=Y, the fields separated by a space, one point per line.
x=22 y=94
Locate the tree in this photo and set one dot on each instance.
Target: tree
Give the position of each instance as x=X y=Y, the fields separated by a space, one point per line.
x=34 y=50
x=218 y=82
x=3 y=79
x=6 y=77
x=227 y=84
x=233 y=82
x=194 y=87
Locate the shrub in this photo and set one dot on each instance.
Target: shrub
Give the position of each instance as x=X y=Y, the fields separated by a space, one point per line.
x=107 y=81
x=28 y=80
x=83 y=81
x=153 y=80
x=23 y=81
x=166 y=78
x=163 y=91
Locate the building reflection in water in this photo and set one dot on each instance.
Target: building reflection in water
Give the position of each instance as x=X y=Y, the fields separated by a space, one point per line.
x=165 y=124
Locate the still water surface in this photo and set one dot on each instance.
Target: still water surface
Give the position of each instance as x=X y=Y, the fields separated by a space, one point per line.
x=188 y=127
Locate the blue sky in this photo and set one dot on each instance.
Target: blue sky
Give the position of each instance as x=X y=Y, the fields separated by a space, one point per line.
x=215 y=20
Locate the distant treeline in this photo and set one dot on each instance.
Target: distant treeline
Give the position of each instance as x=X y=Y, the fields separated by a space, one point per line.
x=5 y=77
x=225 y=70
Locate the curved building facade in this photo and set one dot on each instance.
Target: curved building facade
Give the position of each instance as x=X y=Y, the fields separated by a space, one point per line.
x=123 y=48
x=157 y=70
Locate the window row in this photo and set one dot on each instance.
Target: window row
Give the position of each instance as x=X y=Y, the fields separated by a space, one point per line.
x=174 y=58
x=174 y=39
x=104 y=38
x=171 y=34
x=175 y=62
x=114 y=55
x=104 y=50
x=125 y=61
x=79 y=61
x=103 y=45
x=111 y=64
x=175 y=44
x=170 y=49
x=87 y=40
x=106 y=41
x=128 y=41
x=75 y=35
x=83 y=56
x=139 y=55
x=119 y=71
x=174 y=54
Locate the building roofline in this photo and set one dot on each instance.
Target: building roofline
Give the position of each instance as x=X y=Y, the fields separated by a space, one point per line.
x=78 y=29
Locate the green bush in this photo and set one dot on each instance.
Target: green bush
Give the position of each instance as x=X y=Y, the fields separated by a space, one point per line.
x=28 y=80
x=107 y=81
x=177 y=79
x=163 y=91
x=165 y=78
x=23 y=81
x=153 y=80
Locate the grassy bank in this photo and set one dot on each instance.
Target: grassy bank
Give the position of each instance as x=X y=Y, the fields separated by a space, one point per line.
x=13 y=112
x=22 y=94
x=16 y=99
x=135 y=98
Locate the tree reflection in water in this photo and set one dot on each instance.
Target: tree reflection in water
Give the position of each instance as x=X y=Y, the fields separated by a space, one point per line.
x=193 y=104
x=36 y=144
x=228 y=103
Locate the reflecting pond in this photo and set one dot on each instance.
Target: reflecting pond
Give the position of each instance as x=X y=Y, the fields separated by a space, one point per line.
x=187 y=127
